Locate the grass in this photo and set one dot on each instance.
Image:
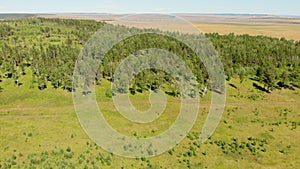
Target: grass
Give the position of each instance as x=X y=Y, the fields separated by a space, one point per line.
x=39 y=129
x=277 y=30
x=268 y=27
x=34 y=123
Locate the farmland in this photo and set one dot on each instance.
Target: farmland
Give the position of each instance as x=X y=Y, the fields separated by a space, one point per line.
x=289 y=31
x=278 y=27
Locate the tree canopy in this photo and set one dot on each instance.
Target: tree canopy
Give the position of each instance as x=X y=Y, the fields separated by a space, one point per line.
x=50 y=48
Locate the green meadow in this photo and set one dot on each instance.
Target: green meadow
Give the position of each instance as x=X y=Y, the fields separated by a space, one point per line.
x=39 y=127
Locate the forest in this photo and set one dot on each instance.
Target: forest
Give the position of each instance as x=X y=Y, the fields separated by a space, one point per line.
x=50 y=48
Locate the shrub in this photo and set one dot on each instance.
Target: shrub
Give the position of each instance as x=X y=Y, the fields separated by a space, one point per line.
x=108 y=93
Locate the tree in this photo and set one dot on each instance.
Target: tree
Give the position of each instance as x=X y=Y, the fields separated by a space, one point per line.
x=267 y=76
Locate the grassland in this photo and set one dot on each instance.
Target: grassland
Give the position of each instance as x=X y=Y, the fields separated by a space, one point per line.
x=253 y=25
x=40 y=129
x=278 y=30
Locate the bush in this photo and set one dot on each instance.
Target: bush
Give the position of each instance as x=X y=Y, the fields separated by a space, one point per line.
x=108 y=93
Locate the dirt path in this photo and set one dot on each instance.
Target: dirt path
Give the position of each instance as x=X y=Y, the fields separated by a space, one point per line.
x=202 y=104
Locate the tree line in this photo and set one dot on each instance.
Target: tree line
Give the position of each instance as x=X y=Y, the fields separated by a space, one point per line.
x=50 y=48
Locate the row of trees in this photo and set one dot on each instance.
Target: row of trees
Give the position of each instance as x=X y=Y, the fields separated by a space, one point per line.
x=50 y=47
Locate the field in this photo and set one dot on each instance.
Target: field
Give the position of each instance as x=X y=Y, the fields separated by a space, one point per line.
x=278 y=30
x=278 y=27
x=39 y=127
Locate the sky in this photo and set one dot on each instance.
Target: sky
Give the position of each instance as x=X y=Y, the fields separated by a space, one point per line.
x=273 y=7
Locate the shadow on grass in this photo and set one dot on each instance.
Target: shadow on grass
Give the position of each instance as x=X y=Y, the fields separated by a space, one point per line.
x=232 y=85
x=217 y=91
x=290 y=87
x=254 y=79
x=260 y=88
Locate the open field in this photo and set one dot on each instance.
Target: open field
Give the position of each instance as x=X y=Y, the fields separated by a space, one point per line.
x=289 y=31
x=40 y=128
x=274 y=26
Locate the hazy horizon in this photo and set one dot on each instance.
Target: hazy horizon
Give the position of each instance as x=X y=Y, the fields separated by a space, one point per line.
x=274 y=7
x=179 y=13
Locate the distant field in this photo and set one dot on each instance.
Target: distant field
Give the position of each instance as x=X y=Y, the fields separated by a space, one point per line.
x=15 y=16
x=289 y=31
x=253 y=25
x=278 y=30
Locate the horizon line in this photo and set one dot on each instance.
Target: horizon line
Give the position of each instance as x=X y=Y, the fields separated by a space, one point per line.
x=126 y=13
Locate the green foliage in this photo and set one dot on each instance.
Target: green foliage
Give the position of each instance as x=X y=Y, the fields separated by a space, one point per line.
x=109 y=93
x=253 y=145
x=50 y=48
x=260 y=56
x=30 y=45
